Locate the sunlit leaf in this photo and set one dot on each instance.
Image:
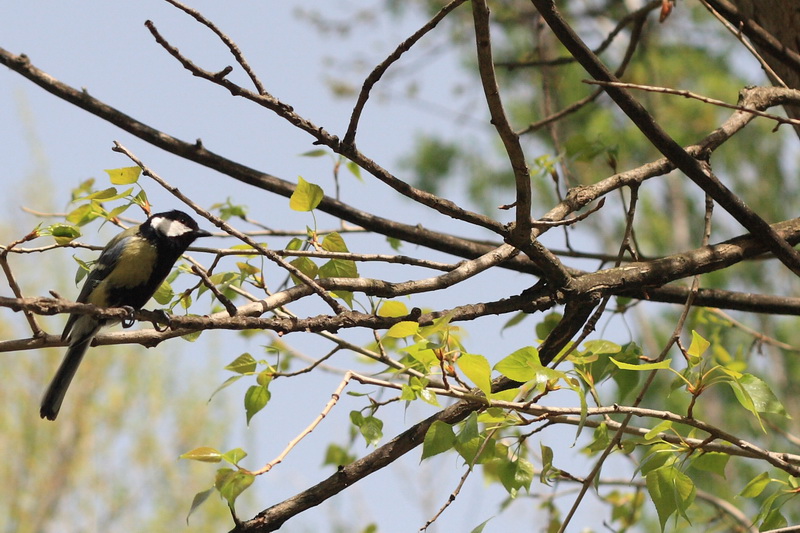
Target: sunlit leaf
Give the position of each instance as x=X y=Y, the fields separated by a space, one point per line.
x=244 y=364
x=477 y=369
x=306 y=196
x=393 y=308
x=255 y=399
x=402 y=329
x=203 y=454
x=661 y=365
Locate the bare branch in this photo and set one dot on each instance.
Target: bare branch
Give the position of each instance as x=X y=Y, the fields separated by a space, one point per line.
x=694 y=169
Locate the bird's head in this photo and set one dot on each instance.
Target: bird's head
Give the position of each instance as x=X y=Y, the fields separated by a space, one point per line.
x=174 y=227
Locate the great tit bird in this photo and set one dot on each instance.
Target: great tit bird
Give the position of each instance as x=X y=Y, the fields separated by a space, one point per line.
x=129 y=270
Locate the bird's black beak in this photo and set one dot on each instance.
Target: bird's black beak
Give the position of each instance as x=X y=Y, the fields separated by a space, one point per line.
x=201 y=233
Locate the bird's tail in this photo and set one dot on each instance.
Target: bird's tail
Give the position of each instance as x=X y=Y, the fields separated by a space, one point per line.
x=51 y=403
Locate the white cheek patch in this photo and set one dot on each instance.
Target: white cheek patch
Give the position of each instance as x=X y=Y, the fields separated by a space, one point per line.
x=169 y=228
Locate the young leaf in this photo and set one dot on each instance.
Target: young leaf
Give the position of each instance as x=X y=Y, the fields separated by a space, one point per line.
x=124 y=176
x=306 y=196
x=62 y=233
x=711 y=462
x=756 y=486
x=244 y=364
x=665 y=425
x=522 y=365
x=438 y=439
x=255 y=399
x=231 y=483
x=392 y=308
x=671 y=491
x=319 y=152
x=402 y=329
x=602 y=347
x=699 y=345
x=764 y=400
x=479 y=528
x=198 y=500
x=164 y=294
x=203 y=454
x=661 y=365
x=515 y=475
x=371 y=428
x=337 y=456
x=306 y=266
x=333 y=242
x=234 y=456
x=477 y=369
x=339 y=268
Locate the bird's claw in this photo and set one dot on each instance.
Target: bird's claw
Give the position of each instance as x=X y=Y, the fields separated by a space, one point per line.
x=129 y=320
x=163 y=318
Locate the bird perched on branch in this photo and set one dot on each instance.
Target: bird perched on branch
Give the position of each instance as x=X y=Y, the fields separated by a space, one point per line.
x=129 y=270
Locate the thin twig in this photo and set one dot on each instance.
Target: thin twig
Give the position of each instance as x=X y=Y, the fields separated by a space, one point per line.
x=311 y=427
x=380 y=70
x=232 y=46
x=695 y=96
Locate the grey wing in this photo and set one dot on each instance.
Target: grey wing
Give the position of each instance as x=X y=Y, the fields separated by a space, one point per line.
x=103 y=267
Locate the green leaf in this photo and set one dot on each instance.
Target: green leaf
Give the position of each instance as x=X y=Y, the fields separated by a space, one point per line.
x=756 y=486
x=671 y=492
x=333 y=242
x=191 y=337
x=764 y=400
x=354 y=169
x=234 y=456
x=337 y=456
x=164 y=294
x=661 y=365
x=319 y=152
x=469 y=449
x=477 y=369
x=392 y=308
x=244 y=364
x=198 y=500
x=306 y=196
x=106 y=195
x=514 y=320
x=547 y=325
x=306 y=266
x=699 y=345
x=230 y=381
x=522 y=365
x=124 y=176
x=602 y=347
x=712 y=462
x=295 y=244
x=82 y=214
x=204 y=454
x=600 y=439
x=547 y=464
x=665 y=425
x=231 y=483
x=439 y=438
x=371 y=428
x=403 y=329
x=339 y=268
x=479 y=527
x=255 y=399
x=61 y=233
x=515 y=475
